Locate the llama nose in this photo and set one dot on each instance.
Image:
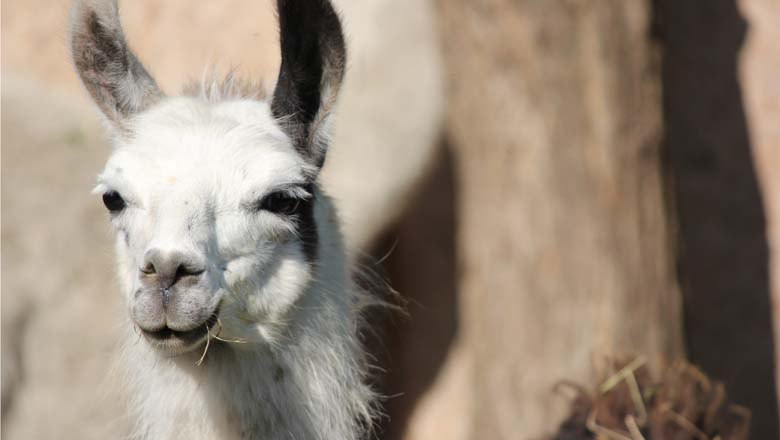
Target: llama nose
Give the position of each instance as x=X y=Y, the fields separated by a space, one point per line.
x=169 y=268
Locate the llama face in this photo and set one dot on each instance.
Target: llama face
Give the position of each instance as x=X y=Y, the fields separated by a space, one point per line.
x=213 y=200
x=213 y=208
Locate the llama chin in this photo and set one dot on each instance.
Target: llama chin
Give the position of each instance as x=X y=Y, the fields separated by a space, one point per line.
x=230 y=254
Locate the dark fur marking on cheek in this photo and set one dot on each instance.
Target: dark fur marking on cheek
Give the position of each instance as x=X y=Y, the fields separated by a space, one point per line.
x=278 y=374
x=307 y=227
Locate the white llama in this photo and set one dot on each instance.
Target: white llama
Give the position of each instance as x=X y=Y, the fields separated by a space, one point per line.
x=230 y=255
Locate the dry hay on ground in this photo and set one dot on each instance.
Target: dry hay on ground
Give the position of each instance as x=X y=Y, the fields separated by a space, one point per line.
x=630 y=405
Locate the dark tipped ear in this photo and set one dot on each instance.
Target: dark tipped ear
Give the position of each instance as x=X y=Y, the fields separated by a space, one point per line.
x=112 y=74
x=313 y=61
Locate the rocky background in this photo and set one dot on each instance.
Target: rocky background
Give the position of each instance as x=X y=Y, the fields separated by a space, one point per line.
x=555 y=182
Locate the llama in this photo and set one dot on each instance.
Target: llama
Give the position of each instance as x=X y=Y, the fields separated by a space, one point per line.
x=243 y=317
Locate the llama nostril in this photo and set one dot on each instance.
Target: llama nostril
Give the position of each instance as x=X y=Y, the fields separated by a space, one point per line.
x=166 y=269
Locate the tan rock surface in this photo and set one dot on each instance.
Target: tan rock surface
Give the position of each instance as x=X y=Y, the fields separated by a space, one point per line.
x=562 y=239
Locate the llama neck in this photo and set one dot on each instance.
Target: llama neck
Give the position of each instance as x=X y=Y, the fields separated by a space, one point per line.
x=310 y=386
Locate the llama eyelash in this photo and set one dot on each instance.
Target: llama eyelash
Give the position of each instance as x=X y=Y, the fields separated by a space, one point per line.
x=116 y=185
x=300 y=193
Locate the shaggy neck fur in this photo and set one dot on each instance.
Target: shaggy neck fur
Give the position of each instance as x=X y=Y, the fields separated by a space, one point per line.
x=308 y=383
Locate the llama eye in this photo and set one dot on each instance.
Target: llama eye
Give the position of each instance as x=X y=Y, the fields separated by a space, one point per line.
x=280 y=203
x=113 y=201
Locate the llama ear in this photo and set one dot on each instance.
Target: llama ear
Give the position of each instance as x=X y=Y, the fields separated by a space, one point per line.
x=112 y=74
x=313 y=62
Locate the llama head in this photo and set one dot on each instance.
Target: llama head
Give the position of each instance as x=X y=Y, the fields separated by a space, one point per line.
x=214 y=201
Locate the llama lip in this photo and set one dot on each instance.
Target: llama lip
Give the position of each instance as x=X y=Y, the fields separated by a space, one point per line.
x=173 y=339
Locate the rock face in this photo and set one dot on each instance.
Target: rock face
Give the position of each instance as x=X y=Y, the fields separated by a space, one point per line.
x=562 y=235
x=60 y=302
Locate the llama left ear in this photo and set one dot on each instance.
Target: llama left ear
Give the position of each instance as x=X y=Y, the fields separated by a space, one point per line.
x=111 y=73
x=313 y=63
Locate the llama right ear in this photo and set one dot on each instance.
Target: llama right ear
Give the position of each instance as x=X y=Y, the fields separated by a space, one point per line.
x=313 y=63
x=112 y=74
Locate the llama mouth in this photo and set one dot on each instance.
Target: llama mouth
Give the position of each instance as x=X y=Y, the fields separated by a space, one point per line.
x=174 y=339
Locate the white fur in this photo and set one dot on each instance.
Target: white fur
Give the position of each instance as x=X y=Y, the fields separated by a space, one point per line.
x=294 y=368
